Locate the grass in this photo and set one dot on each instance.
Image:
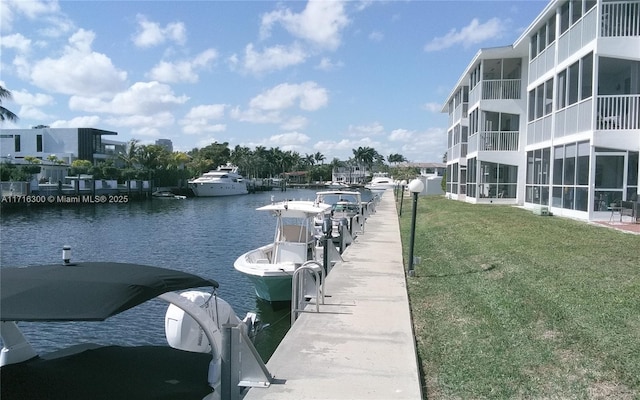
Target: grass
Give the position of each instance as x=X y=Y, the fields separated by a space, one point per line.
x=510 y=305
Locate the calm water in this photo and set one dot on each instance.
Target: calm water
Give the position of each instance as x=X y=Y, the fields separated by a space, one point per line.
x=203 y=236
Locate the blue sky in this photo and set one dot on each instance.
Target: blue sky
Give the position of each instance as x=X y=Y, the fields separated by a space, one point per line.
x=317 y=76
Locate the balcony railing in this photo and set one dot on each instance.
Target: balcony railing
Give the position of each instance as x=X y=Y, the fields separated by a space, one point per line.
x=457 y=151
x=620 y=19
x=501 y=89
x=618 y=112
x=498 y=141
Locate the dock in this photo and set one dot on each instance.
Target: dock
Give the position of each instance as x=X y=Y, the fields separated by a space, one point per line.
x=361 y=343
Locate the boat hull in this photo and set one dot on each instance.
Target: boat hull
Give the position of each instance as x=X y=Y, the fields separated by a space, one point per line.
x=218 y=189
x=272 y=288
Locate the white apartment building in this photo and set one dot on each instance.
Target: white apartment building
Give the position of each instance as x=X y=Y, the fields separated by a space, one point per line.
x=552 y=120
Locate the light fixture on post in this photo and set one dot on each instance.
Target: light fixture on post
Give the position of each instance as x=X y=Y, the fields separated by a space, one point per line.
x=403 y=183
x=416 y=186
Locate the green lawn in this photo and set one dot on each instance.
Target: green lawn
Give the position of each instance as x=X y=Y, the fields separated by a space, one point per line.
x=510 y=305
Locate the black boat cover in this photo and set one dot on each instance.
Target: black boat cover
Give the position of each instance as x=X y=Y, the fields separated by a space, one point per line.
x=85 y=291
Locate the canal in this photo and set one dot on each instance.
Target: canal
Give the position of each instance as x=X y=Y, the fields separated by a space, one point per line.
x=203 y=236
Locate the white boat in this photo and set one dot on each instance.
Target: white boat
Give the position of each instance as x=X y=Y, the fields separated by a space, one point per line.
x=165 y=194
x=344 y=203
x=336 y=185
x=270 y=267
x=380 y=183
x=189 y=367
x=224 y=181
x=346 y=210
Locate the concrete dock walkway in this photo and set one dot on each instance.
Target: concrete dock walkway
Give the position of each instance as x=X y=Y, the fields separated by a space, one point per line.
x=361 y=344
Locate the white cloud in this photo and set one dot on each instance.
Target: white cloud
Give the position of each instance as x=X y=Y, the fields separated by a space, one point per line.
x=28 y=111
x=288 y=139
x=433 y=107
x=30 y=105
x=183 y=71
x=468 y=36
x=343 y=149
x=10 y=9
x=366 y=130
x=376 y=36
x=320 y=23
x=17 y=42
x=255 y=116
x=272 y=58
x=90 y=121
x=197 y=120
x=211 y=111
x=142 y=98
x=308 y=96
x=327 y=65
x=401 y=135
x=294 y=123
x=25 y=98
x=79 y=71
x=151 y=34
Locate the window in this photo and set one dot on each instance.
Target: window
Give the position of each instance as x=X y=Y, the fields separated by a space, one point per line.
x=562 y=90
x=574 y=79
x=497 y=180
x=541 y=100
x=571 y=176
x=558 y=158
x=39 y=143
x=587 y=77
x=570 y=165
x=576 y=10
x=548 y=96
x=16 y=143
x=582 y=167
x=532 y=105
x=564 y=18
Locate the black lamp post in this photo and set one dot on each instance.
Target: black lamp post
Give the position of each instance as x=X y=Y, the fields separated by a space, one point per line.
x=403 y=183
x=415 y=187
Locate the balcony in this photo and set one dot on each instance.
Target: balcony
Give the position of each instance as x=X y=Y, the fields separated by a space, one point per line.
x=620 y=112
x=457 y=151
x=498 y=141
x=496 y=89
x=620 y=18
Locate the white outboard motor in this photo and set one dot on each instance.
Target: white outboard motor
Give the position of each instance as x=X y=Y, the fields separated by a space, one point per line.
x=184 y=333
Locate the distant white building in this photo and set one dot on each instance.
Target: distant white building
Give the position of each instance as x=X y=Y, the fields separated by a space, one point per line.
x=350 y=174
x=67 y=144
x=552 y=120
x=426 y=169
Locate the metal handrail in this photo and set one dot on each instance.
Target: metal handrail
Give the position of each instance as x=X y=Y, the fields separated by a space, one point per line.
x=296 y=281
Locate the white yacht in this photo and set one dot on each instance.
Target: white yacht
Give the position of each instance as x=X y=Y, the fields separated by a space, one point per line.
x=224 y=181
x=270 y=267
x=380 y=183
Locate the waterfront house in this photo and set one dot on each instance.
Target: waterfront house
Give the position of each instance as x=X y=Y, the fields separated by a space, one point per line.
x=553 y=120
x=67 y=144
x=350 y=174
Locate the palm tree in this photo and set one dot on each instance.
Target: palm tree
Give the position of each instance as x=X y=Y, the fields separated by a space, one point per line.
x=4 y=113
x=396 y=158
x=130 y=156
x=319 y=157
x=309 y=160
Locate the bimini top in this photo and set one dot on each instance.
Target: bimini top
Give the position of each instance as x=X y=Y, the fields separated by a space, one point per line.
x=85 y=291
x=296 y=209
